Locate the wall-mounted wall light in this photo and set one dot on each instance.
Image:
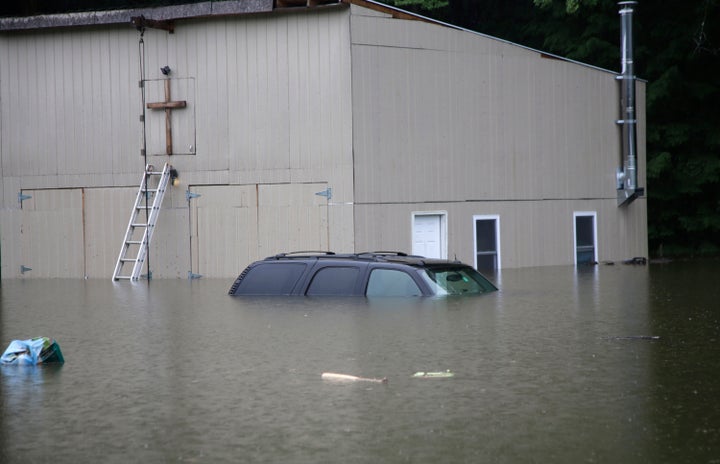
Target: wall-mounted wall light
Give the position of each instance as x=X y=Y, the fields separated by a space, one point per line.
x=166 y=70
x=174 y=177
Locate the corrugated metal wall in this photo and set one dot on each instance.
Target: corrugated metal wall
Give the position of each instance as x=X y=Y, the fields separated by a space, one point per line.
x=394 y=116
x=268 y=102
x=534 y=233
x=450 y=120
x=235 y=225
x=51 y=233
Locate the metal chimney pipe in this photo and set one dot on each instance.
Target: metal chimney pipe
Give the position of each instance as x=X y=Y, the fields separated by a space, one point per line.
x=627 y=95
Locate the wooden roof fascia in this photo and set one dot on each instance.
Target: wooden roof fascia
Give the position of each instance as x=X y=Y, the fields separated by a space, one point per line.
x=160 y=17
x=163 y=17
x=387 y=9
x=301 y=3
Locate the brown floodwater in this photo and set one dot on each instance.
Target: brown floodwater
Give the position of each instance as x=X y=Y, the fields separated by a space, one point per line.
x=605 y=364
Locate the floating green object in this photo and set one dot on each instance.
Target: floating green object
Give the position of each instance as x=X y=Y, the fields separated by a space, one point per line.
x=38 y=350
x=439 y=374
x=51 y=352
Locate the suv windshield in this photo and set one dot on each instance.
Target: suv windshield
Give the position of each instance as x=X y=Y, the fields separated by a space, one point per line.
x=456 y=280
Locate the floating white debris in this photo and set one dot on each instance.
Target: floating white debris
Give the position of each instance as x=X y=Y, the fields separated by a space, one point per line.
x=334 y=377
x=435 y=375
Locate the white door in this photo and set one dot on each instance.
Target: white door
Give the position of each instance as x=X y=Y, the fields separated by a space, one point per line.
x=428 y=235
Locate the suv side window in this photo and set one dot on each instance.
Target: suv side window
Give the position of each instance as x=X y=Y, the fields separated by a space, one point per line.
x=391 y=282
x=271 y=279
x=334 y=280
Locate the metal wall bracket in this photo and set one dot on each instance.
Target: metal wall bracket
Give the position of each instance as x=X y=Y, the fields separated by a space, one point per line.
x=627 y=196
x=189 y=195
x=24 y=269
x=192 y=276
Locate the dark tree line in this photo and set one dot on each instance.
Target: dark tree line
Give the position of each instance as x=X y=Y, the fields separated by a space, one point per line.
x=677 y=51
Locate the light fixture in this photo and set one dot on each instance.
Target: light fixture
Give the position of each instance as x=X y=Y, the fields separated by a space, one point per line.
x=174 y=177
x=166 y=70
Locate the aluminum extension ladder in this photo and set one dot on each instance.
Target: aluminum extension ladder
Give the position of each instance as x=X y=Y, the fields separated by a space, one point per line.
x=137 y=237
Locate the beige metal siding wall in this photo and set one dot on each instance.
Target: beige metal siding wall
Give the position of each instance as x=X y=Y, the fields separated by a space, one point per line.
x=107 y=211
x=51 y=237
x=224 y=229
x=69 y=120
x=235 y=225
x=533 y=233
x=70 y=106
x=272 y=99
x=450 y=120
x=269 y=101
x=469 y=117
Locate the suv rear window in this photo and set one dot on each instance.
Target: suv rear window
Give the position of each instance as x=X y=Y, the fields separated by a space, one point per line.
x=271 y=279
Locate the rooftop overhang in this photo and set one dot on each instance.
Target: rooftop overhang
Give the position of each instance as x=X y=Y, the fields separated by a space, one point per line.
x=163 y=17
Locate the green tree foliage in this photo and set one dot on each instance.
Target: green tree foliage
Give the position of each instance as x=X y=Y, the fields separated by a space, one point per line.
x=571 y=6
x=677 y=51
x=428 y=5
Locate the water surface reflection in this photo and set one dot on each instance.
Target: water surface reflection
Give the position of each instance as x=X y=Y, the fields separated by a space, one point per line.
x=548 y=369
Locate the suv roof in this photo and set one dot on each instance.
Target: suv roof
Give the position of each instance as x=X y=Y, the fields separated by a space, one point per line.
x=376 y=273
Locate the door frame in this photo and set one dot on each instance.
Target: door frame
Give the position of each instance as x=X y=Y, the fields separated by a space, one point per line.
x=592 y=214
x=487 y=217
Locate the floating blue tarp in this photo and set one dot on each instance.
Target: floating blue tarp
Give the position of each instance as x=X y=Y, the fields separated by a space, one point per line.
x=38 y=350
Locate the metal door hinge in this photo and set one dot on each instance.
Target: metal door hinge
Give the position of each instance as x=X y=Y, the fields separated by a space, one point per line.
x=327 y=193
x=22 y=197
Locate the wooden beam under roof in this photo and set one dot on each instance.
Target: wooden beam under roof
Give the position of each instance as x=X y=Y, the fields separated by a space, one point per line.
x=162 y=16
x=302 y=3
x=393 y=11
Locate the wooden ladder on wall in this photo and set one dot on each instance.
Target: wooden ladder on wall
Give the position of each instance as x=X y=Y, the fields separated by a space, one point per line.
x=139 y=230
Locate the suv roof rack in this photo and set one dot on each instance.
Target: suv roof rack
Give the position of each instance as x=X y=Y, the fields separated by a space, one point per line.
x=301 y=254
x=380 y=255
x=398 y=256
x=384 y=253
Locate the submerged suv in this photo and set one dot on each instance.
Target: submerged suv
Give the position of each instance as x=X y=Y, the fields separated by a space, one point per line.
x=362 y=274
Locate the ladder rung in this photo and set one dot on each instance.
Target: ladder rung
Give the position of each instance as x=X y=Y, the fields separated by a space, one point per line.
x=127 y=260
x=133 y=242
x=119 y=277
x=139 y=224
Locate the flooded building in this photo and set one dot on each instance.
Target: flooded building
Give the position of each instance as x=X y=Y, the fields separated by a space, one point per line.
x=320 y=125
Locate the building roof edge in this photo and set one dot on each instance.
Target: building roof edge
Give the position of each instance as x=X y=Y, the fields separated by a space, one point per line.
x=402 y=14
x=162 y=13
